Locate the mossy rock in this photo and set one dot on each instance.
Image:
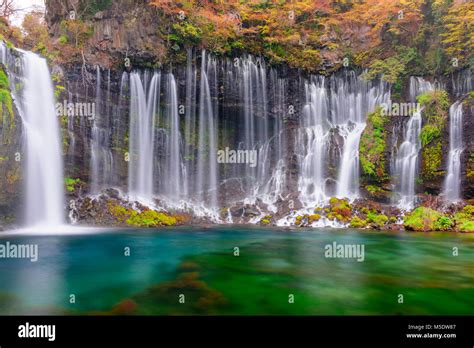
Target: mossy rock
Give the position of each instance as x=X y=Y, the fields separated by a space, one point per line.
x=340 y=209
x=372 y=146
x=464 y=220
x=6 y=101
x=145 y=218
x=435 y=116
x=424 y=219
x=357 y=222
x=150 y=218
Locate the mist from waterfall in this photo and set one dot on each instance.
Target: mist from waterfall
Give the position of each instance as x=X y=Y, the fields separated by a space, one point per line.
x=452 y=183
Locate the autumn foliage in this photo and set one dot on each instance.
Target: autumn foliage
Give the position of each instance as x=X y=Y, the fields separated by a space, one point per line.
x=315 y=34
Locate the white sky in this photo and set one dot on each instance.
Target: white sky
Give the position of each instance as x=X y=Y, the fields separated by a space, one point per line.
x=27 y=6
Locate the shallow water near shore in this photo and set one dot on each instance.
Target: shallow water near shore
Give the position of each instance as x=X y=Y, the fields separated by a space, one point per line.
x=276 y=272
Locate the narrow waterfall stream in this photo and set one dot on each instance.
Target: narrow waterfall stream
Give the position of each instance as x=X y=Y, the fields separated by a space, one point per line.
x=142 y=121
x=406 y=163
x=453 y=178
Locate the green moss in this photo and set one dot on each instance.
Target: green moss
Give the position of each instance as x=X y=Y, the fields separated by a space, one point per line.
x=6 y=101
x=428 y=134
x=150 y=218
x=464 y=219
x=340 y=209
x=298 y=220
x=467 y=226
x=470 y=167
x=374 y=189
x=63 y=39
x=357 y=222
x=435 y=114
x=71 y=183
x=443 y=223
x=421 y=219
x=432 y=157
x=378 y=219
x=372 y=146
x=313 y=218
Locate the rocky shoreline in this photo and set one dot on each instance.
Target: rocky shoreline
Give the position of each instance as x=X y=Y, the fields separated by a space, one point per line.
x=110 y=208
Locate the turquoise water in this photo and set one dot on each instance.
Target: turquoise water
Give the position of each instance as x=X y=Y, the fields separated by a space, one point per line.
x=273 y=266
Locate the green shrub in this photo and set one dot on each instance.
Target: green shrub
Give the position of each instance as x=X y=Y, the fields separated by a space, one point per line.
x=71 y=183
x=421 y=219
x=444 y=223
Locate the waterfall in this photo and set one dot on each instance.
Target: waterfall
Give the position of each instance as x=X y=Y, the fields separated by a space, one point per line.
x=174 y=170
x=453 y=178
x=312 y=143
x=419 y=85
x=189 y=124
x=406 y=162
x=348 y=179
x=352 y=99
x=334 y=107
x=43 y=165
x=206 y=183
x=119 y=129
x=273 y=188
x=142 y=134
x=461 y=82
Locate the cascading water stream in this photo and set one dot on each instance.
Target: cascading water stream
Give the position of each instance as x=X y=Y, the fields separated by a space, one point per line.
x=142 y=134
x=43 y=167
x=453 y=178
x=207 y=150
x=352 y=98
x=174 y=170
x=406 y=162
x=313 y=142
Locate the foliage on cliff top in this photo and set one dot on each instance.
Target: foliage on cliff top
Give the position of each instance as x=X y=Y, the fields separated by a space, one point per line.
x=314 y=34
x=372 y=146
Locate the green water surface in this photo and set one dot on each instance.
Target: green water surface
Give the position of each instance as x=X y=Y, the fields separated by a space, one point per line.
x=277 y=272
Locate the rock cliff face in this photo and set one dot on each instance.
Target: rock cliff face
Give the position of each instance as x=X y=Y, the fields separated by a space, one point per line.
x=10 y=153
x=119 y=29
x=122 y=38
x=467 y=159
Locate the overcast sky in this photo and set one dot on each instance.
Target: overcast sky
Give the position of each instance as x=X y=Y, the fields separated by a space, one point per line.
x=27 y=6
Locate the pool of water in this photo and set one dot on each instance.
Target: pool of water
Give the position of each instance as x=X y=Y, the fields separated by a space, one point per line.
x=196 y=271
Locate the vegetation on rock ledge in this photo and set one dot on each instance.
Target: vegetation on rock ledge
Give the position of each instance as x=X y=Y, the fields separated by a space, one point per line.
x=372 y=147
x=435 y=115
